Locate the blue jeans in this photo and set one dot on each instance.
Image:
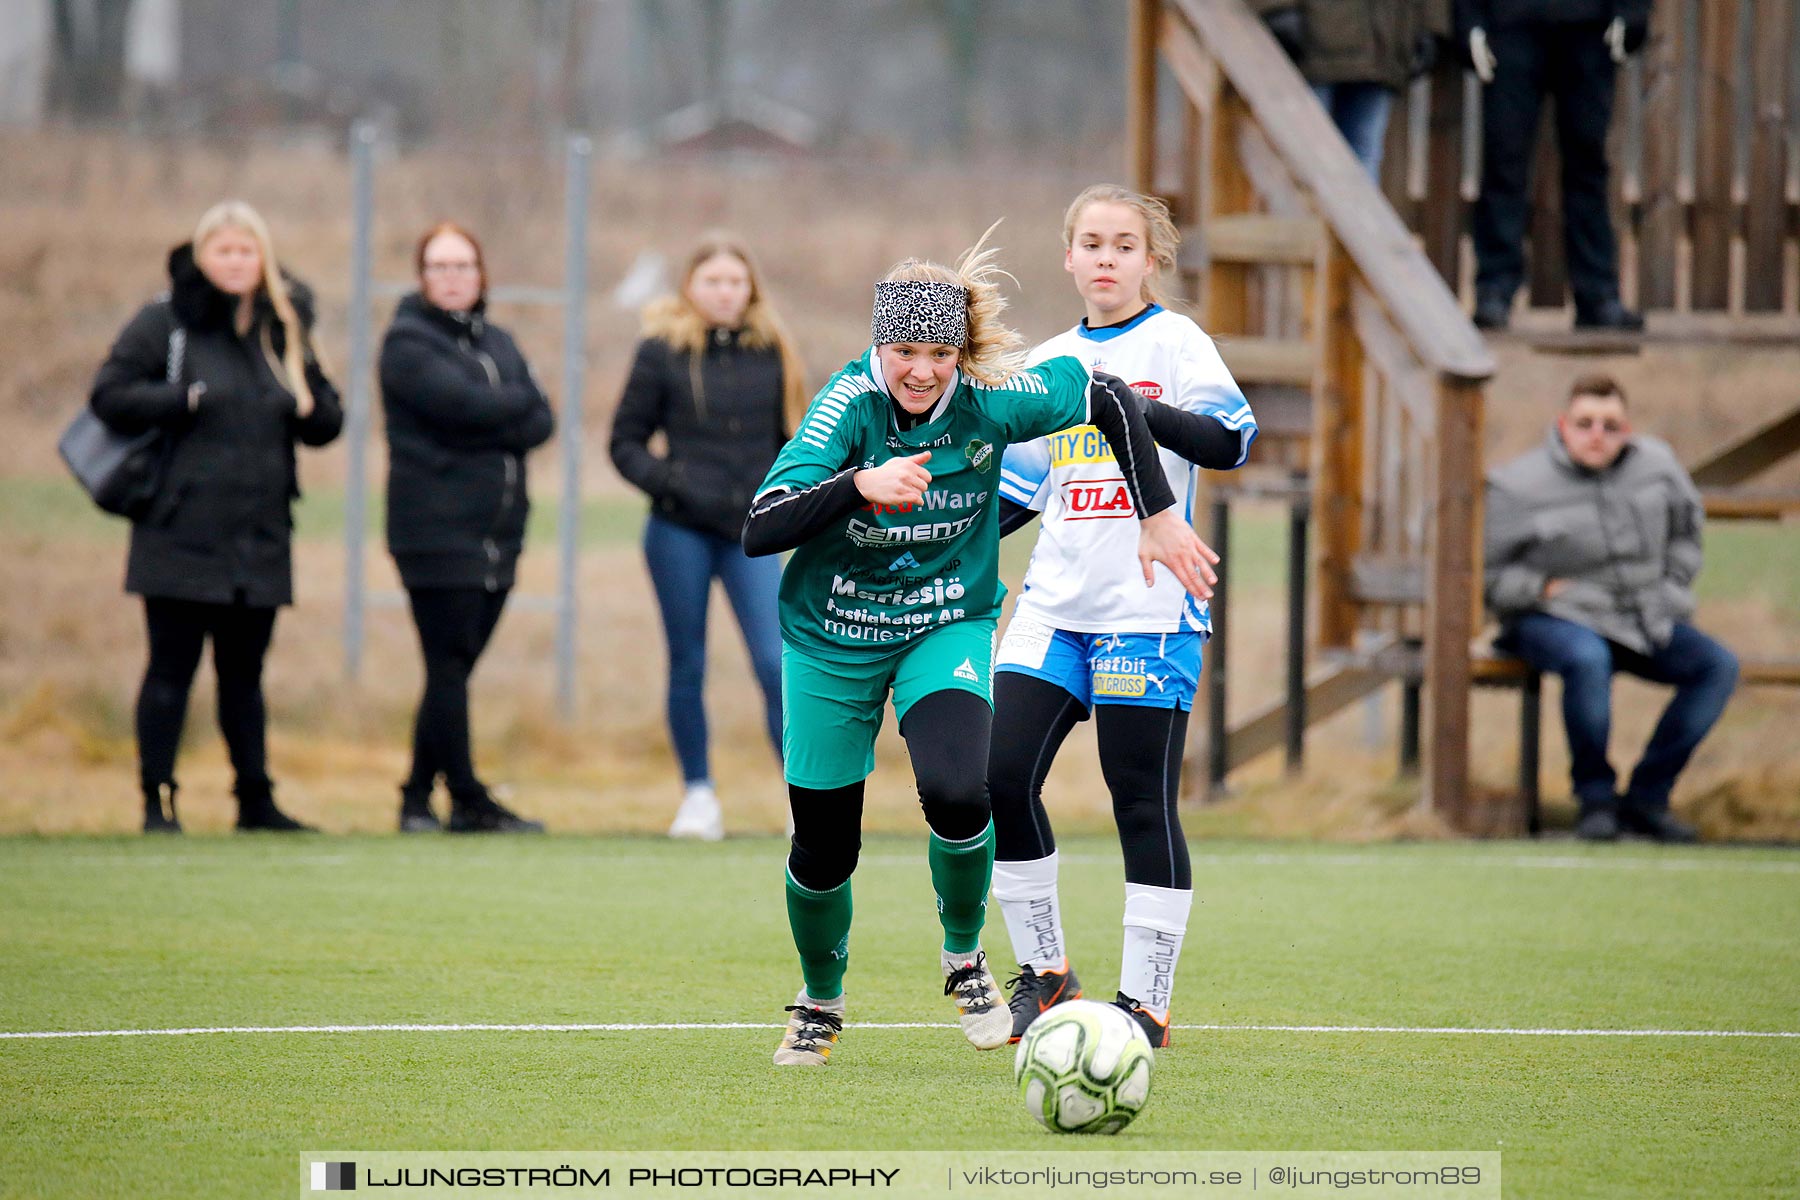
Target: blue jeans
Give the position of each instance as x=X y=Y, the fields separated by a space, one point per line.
x=1702 y=672
x=683 y=563
x=1360 y=111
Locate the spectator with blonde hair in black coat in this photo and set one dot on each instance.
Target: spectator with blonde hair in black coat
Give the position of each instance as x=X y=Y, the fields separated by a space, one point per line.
x=211 y=556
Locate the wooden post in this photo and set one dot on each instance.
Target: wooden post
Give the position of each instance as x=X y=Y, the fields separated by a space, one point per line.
x=1451 y=595
x=1228 y=191
x=1140 y=82
x=1337 y=447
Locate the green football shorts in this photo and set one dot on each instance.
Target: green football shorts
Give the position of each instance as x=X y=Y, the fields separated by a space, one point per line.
x=832 y=710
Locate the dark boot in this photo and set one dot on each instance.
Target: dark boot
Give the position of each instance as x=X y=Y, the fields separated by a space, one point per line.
x=1493 y=311
x=415 y=812
x=257 y=811
x=479 y=812
x=1656 y=822
x=1599 y=822
x=1608 y=314
x=159 y=809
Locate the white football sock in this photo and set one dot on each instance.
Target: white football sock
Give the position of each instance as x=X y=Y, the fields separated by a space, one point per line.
x=834 y=1005
x=1155 y=922
x=1027 y=895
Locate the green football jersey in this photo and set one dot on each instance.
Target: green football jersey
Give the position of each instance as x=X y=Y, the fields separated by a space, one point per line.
x=886 y=574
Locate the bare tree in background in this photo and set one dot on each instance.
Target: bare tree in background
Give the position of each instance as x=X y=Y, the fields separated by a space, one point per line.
x=87 y=76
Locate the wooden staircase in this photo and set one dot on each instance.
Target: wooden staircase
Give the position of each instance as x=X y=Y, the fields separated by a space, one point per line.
x=1367 y=378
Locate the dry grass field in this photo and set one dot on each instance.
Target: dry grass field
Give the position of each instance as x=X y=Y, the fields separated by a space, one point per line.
x=84 y=225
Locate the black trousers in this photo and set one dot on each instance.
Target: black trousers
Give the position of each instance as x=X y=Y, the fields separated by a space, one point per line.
x=454 y=626
x=1570 y=62
x=179 y=630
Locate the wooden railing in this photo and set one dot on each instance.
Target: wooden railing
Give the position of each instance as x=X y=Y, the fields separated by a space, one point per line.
x=1705 y=154
x=1348 y=341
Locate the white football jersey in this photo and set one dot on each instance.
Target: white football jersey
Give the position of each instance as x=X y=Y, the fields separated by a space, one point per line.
x=1084 y=574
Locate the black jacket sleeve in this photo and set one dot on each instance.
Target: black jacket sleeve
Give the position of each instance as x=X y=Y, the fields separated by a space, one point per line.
x=639 y=416
x=533 y=429
x=781 y=519
x=1115 y=412
x=1014 y=516
x=522 y=434
x=415 y=376
x=131 y=391
x=326 y=420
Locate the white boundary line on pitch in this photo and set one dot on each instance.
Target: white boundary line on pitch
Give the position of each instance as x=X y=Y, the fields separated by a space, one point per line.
x=1559 y=862
x=692 y=1026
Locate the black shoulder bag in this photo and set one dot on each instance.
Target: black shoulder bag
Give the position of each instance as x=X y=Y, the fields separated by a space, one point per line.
x=122 y=472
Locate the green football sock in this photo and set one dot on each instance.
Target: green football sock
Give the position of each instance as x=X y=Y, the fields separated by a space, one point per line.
x=821 y=925
x=960 y=874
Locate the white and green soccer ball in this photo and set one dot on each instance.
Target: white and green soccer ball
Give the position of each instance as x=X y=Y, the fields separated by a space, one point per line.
x=1084 y=1067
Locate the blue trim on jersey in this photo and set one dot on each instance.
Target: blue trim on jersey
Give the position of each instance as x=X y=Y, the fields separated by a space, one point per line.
x=1108 y=332
x=1023 y=468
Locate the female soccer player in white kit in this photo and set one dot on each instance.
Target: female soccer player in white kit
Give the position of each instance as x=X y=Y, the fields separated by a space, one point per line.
x=1087 y=635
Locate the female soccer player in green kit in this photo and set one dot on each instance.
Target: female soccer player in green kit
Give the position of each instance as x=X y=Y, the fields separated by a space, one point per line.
x=886 y=494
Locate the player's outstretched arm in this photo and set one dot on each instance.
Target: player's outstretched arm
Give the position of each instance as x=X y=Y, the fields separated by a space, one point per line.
x=1201 y=439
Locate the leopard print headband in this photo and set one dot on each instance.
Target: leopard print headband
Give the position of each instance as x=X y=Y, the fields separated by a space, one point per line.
x=920 y=311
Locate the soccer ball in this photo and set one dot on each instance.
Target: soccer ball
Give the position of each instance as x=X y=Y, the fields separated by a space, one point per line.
x=1084 y=1067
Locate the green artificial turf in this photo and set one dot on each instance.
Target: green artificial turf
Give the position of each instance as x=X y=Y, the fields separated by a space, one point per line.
x=260 y=931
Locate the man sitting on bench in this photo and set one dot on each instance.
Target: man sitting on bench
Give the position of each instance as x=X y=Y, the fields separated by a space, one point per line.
x=1593 y=543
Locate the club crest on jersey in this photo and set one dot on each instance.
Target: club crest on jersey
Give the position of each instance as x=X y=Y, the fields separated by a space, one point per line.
x=1148 y=389
x=980 y=455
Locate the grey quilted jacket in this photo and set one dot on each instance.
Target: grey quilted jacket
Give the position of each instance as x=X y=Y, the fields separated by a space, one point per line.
x=1627 y=540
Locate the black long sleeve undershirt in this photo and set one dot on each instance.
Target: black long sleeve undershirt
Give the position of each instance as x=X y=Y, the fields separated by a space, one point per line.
x=1197 y=437
x=1014 y=516
x=782 y=519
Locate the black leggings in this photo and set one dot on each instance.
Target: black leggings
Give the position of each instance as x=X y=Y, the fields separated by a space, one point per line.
x=1140 y=758
x=947 y=736
x=178 y=631
x=454 y=626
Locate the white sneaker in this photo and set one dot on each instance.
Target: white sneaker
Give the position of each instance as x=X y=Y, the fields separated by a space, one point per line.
x=699 y=815
x=986 y=1020
x=812 y=1030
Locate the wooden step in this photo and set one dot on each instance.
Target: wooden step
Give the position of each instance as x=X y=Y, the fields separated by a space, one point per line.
x=1282 y=411
x=1256 y=238
x=1387 y=579
x=1255 y=360
x=1735 y=504
x=1551 y=331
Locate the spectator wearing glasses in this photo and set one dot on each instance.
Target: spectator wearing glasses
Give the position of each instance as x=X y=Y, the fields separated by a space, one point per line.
x=462 y=412
x=1592 y=547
